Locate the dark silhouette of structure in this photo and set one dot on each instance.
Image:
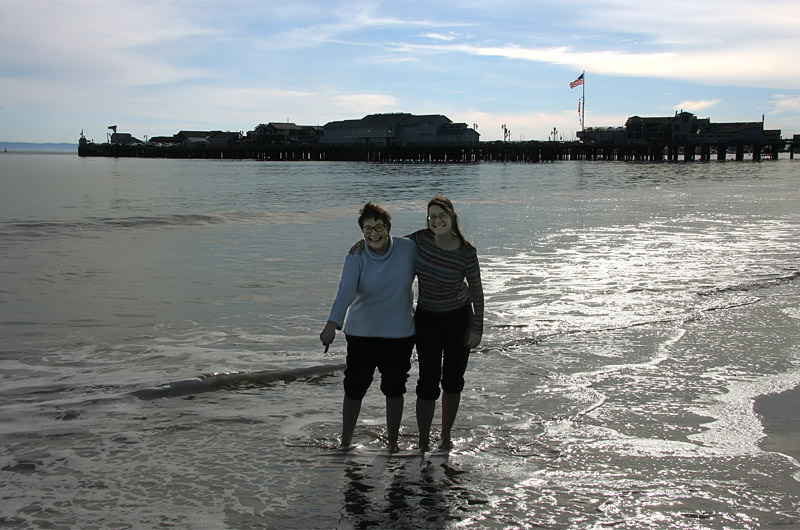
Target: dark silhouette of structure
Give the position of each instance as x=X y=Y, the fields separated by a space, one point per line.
x=403 y=137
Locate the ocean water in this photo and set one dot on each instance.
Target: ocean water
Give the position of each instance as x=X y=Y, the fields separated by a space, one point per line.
x=161 y=366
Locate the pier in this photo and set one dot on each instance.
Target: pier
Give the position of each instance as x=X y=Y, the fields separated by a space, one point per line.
x=525 y=152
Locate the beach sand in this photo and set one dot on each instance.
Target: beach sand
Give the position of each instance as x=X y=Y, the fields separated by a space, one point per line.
x=780 y=415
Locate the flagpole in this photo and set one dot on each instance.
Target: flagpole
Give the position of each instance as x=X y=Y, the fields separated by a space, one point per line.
x=583 y=107
x=581 y=80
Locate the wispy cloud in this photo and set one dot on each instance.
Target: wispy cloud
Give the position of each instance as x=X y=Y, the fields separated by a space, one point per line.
x=736 y=45
x=786 y=103
x=696 y=106
x=115 y=43
x=440 y=36
x=746 y=65
x=345 y=26
x=356 y=103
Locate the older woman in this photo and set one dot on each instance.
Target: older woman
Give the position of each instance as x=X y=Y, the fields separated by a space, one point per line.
x=375 y=295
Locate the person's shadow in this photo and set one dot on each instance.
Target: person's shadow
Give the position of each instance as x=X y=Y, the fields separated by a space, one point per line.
x=404 y=493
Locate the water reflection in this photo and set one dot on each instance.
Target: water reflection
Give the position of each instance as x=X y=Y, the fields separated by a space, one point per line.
x=591 y=175
x=410 y=493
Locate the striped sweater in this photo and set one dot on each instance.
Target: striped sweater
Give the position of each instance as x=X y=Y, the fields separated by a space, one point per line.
x=448 y=279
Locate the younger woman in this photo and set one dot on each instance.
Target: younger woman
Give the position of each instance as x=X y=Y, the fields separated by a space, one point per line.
x=448 y=317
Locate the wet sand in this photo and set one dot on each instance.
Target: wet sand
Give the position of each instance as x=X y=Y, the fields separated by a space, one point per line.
x=780 y=415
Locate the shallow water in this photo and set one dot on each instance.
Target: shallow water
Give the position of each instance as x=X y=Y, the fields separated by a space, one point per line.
x=161 y=367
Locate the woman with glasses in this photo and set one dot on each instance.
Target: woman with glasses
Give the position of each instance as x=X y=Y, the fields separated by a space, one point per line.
x=448 y=317
x=376 y=296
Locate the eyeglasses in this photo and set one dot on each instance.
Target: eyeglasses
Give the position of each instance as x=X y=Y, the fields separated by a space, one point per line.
x=377 y=228
x=442 y=216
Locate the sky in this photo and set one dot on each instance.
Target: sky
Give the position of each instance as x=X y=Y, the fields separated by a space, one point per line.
x=156 y=68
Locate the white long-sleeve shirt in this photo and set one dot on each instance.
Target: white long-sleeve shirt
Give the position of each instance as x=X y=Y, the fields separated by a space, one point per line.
x=375 y=292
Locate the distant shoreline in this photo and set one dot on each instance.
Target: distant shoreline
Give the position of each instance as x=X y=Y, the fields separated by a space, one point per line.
x=17 y=147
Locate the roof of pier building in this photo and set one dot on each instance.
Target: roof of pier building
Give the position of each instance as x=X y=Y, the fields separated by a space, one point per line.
x=281 y=132
x=124 y=138
x=382 y=120
x=162 y=140
x=280 y=126
x=411 y=120
x=398 y=128
x=638 y=120
x=219 y=137
x=192 y=135
x=194 y=138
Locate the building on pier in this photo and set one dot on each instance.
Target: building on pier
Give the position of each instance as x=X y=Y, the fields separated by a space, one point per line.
x=398 y=129
x=682 y=129
x=123 y=138
x=276 y=133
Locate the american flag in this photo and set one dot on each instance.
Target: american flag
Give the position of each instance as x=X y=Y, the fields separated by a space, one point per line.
x=577 y=82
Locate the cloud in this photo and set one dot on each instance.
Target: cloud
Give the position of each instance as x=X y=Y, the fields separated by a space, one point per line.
x=785 y=103
x=696 y=106
x=439 y=36
x=747 y=64
x=102 y=42
x=366 y=103
x=354 y=20
x=737 y=45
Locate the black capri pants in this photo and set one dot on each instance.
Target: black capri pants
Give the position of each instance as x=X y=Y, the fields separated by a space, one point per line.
x=392 y=358
x=442 y=350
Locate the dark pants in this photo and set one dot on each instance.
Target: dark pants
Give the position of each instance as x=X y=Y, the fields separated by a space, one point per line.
x=442 y=350
x=392 y=358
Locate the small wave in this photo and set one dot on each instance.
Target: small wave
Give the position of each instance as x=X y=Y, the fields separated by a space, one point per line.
x=33 y=229
x=160 y=220
x=679 y=319
x=24 y=230
x=79 y=227
x=227 y=380
x=756 y=284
